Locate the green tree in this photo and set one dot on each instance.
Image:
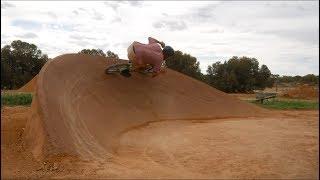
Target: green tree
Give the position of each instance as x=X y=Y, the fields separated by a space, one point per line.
x=238 y=74
x=307 y=79
x=264 y=78
x=20 y=62
x=94 y=52
x=186 y=64
x=99 y=52
x=111 y=54
x=310 y=79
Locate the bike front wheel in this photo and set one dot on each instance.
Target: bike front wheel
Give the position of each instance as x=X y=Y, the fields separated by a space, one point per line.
x=116 y=68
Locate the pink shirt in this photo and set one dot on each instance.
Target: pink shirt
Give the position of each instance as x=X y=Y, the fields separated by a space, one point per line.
x=149 y=54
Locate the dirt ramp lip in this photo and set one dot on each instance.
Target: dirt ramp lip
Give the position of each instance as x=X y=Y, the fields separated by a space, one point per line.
x=83 y=110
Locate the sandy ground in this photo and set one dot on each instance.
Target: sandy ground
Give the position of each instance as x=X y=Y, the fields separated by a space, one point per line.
x=282 y=146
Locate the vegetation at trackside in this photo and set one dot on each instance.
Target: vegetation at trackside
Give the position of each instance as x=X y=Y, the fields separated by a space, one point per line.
x=20 y=62
x=238 y=74
x=286 y=104
x=16 y=99
x=99 y=52
x=309 y=79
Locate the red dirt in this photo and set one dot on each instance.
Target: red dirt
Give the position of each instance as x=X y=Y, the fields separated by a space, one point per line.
x=78 y=107
x=85 y=124
x=285 y=146
x=302 y=92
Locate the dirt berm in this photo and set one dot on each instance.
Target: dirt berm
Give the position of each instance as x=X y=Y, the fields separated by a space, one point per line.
x=77 y=109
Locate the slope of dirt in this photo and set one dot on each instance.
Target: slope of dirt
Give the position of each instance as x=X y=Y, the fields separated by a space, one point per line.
x=85 y=124
x=30 y=86
x=284 y=146
x=81 y=111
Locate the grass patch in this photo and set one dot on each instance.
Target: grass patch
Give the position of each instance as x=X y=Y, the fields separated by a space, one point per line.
x=288 y=104
x=16 y=99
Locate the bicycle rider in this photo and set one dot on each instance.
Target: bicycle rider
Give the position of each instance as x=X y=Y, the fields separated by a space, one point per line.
x=154 y=53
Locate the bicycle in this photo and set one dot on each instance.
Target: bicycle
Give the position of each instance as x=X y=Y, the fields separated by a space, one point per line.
x=128 y=67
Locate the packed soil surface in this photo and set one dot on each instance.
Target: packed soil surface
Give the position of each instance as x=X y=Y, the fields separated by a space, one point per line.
x=83 y=123
x=281 y=146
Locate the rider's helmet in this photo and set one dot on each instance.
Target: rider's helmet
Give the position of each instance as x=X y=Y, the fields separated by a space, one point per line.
x=168 y=51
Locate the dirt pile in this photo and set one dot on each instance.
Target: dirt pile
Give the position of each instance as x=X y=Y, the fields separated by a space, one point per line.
x=30 y=86
x=284 y=146
x=77 y=109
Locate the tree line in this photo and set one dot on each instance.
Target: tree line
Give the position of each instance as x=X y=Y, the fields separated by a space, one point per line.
x=310 y=79
x=238 y=74
x=21 y=61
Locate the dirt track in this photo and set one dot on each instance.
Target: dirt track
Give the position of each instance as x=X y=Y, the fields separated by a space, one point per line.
x=83 y=123
x=284 y=146
x=79 y=110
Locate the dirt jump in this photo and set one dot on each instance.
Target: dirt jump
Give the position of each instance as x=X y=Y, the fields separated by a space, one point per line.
x=170 y=126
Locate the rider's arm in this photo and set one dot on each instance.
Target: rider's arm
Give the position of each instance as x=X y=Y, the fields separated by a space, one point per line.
x=152 y=40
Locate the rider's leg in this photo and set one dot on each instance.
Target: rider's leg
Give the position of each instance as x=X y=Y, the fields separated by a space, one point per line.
x=131 y=53
x=132 y=58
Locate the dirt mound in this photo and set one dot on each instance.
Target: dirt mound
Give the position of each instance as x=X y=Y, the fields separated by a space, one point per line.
x=77 y=109
x=30 y=86
x=303 y=92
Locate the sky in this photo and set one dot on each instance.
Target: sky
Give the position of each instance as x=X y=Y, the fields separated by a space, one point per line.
x=284 y=35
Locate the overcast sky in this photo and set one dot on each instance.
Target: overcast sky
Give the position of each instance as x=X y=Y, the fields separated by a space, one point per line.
x=282 y=35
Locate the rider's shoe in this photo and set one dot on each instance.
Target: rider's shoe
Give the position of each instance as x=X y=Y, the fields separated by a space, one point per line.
x=125 y=73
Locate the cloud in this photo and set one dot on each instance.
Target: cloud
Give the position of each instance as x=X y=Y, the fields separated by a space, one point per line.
x=102 y=46
x=203 y=13
x=82 y=9
x=116 y=19
x=81 y=43
x=122 y=44
x=97 y=15
x=116 y=4
x=52 y=14
x=3 y=36
x=79 y=37
x=6 y=5
x=27 y=35
x=113 y=4
x=135 y=3
x=61 y=26
x=219 y=44
x=75 y=12
x=288 y=10
x=214 y=30
x=273 y=32
x=171 y=25
x=26 y=24
x=165 y=14
x=309 y=36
